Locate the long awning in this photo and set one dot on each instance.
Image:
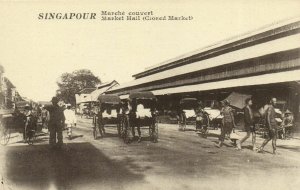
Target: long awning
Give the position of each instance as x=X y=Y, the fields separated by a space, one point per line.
x=282 y=44
x=287 y=76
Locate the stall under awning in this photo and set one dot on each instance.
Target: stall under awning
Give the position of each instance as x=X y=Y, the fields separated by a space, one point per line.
x=287 y=76
x=237 y=99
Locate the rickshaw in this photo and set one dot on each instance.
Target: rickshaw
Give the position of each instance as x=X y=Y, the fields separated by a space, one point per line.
x=192 y=113
x=212 y=108
x=141 y=114
x=6 y=119
x=108 y=114
x=28 y=123
x=14 y=120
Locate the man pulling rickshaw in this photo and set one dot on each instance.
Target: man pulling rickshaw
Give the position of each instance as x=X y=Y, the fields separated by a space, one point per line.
x=107 y=114
x=141 y=113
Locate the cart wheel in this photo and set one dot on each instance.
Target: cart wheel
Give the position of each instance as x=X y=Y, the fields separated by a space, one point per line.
x=5 y=136
x=127 y=130
x=119 y=130
x=154 y=134
x=95 y=128
x=95 y=133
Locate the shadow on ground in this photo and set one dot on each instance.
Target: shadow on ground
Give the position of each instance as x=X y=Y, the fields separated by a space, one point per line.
x=76 y=166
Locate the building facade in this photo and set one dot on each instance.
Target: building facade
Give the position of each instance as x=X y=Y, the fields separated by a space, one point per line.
x=263 y=63
x=8 y=92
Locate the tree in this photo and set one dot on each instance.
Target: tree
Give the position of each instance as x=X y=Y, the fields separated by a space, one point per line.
x=70 y=84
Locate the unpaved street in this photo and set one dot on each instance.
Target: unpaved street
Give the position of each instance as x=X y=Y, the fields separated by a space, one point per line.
x=180 y=160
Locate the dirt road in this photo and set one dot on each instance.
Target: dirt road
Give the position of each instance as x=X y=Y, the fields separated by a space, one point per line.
x=180 y=160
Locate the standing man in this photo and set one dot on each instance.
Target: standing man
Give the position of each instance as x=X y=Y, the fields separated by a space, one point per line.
x=249 y=125
x=70 y=120
x=56 y=123
x=228 y=122
x=271 y=125
x=28 y=120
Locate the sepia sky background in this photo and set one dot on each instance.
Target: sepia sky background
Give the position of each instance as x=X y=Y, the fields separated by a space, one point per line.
x=36 y=52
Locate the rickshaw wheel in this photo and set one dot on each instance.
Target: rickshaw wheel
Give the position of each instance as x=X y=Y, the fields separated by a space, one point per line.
x=95 y=133
x=5 y=135
x=119 y=130
x=95 y=130
x=154 y=133
x=127 y=130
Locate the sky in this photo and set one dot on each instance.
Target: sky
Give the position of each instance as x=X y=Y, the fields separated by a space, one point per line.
x=36 y=52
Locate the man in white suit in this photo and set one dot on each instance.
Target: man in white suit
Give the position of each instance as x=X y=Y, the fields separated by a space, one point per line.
x=70 y=120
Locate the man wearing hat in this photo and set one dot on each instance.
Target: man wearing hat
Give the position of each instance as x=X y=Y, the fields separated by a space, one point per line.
x=56 y=123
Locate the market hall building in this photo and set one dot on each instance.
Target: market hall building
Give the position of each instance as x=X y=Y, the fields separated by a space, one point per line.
x=263 y=63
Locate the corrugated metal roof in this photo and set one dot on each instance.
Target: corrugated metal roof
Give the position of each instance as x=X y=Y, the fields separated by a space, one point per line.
x=272 y=28
x=282 y=44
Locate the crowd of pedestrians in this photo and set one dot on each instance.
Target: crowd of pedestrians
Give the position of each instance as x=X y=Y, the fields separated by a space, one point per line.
x=57 y=118
x=229 y=124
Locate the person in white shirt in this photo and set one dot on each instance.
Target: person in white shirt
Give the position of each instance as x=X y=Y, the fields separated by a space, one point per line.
x=70 y=120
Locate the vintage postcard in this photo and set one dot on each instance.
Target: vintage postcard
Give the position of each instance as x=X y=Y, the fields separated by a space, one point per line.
x=149 y=95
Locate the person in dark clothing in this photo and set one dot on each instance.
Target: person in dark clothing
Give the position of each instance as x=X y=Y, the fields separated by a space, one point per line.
x=56 y=123
x=228 y=122
x=249 y=125
x=271 y=125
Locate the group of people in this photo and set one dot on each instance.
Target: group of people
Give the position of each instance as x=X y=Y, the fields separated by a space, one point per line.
x=270 y=124
x=58 y=118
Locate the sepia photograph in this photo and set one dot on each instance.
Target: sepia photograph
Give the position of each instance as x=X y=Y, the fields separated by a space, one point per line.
x=149 y=95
